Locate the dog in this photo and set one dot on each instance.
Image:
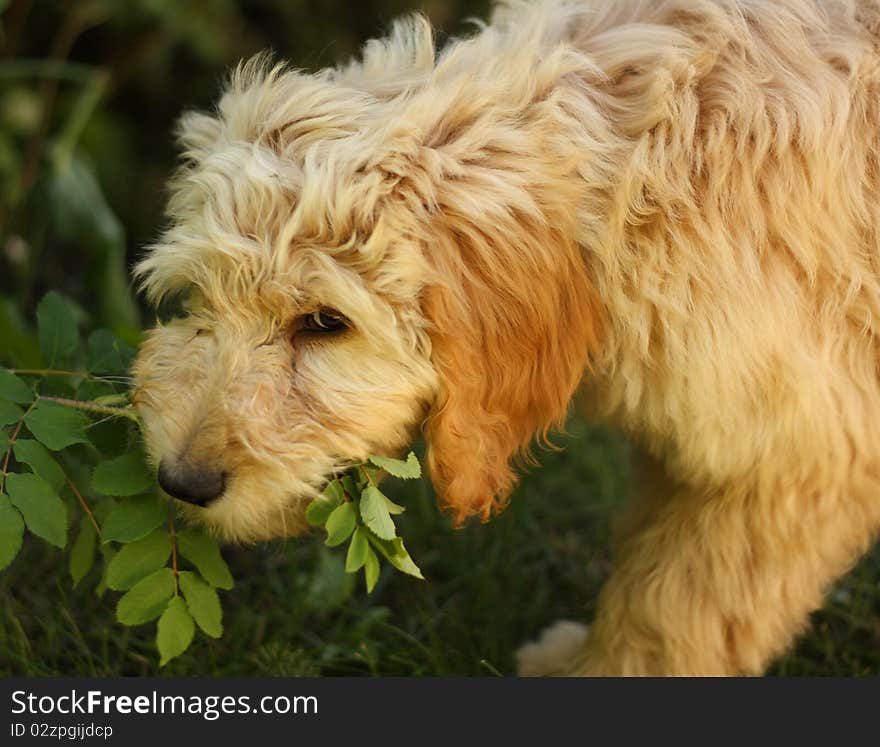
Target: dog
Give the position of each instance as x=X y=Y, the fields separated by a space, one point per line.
x=671 y=206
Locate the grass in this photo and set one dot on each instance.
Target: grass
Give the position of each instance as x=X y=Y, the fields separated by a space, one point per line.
x=294 y=612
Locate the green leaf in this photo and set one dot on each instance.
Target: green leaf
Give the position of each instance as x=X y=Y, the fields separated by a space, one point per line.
x=82 y=552
x=80 y=215
x=107 y=354
x=14 y=389
x=175 y=631
x=125 y=475
x=110 y=437
x=203 y=602
x=204 y=553
x=334 y=492
x=396 y=554
x=79 y=211
x=375 y=514
x=147 y=599
x=9 y=413
x=56 y=325
x=11 y=531
x=408 y=470
x=44 y=512
x=371 y=569
x=371 y=474
x=340 y=524
x=34 y=454
x=393 y=508
x=402 y=561
x=103 y=506
x=319 y=510
x=57 y=426
x=18 y=342
x=107 y=553
x=349 y=486
x=134 y=519
x=138 y=560
x=357 y=551
x=90 y=390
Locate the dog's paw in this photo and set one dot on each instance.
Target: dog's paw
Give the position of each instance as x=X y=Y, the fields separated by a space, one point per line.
x=558 y=652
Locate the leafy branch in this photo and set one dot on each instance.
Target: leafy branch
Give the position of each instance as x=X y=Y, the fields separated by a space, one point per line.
x=51 y=418
x=353 y=508
x=47 y=419
x=95 y=407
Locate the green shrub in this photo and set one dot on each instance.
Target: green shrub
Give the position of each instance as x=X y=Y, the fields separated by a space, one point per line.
x=74 y=474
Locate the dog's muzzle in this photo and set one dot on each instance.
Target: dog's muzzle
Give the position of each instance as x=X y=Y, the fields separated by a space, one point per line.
x=193 y=484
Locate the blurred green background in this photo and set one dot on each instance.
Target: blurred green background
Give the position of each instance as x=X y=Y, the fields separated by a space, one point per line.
x=89 y=94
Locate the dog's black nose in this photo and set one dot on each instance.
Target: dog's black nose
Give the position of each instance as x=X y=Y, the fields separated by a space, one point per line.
x=197 y=485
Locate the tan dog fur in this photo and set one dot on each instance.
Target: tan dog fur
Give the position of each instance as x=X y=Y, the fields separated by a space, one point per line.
x=677 y=201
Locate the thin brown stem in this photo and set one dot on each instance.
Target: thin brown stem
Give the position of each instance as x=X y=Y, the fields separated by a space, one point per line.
x=12 y=439
x=70 y=482
x=82 y=502
x=365 y=472
x=58 y=372
x=9 y=454
x=174 y=567
x=116 y=412
x=48 y=372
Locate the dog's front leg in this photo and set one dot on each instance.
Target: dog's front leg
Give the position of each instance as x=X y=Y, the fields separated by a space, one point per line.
x=713 y=584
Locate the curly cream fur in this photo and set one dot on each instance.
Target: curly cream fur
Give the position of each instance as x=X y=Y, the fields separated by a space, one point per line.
x=678 y=198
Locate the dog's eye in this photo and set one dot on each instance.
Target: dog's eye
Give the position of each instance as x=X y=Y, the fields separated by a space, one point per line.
x=172 y=308
x=180 y=304
x=324 y=321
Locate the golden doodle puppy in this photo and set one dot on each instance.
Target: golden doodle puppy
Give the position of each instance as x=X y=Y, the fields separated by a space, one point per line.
x=675 y=202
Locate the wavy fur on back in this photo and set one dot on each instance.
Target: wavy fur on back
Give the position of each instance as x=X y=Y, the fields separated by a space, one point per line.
x=675 y=201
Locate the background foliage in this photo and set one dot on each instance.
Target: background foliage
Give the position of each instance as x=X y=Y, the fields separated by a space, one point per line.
x=89 y=92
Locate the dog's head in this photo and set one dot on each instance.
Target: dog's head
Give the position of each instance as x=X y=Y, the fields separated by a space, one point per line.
x=363 y=255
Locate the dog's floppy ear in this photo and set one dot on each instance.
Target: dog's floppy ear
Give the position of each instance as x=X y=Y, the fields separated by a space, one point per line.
x=515 y=320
